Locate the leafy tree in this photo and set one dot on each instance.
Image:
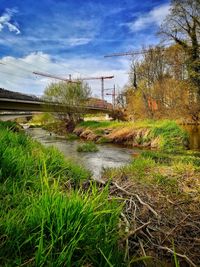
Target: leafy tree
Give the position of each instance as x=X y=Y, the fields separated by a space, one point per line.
x=73 y=96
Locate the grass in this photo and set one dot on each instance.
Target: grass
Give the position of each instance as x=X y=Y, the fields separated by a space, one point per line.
x=169 y=172
x=167 y=135
x=87 y=147
x=42 y=222
x=71 y=137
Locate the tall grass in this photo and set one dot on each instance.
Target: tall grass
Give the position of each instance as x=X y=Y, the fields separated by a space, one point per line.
x=42 y=222
x=53 y=228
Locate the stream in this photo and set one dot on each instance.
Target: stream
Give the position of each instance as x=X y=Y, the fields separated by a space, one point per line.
x=109 y=155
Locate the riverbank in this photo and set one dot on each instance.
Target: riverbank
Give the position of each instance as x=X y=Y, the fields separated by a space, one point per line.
x=162 y=199
x=162 y=135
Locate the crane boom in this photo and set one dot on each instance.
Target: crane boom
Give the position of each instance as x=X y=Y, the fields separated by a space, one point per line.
x=131 y=53
x=53 y=76
x=97 y=78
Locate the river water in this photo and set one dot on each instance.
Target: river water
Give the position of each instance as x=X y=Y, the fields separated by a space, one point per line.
x=194 y=136
x=109 y=155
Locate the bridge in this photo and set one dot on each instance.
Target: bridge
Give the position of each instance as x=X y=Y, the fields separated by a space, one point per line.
x=17 y=102
x=7 y=104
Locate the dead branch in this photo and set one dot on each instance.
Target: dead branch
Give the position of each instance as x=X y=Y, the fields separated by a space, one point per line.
x=179 y=255
x=138 y=198
x=133 y=232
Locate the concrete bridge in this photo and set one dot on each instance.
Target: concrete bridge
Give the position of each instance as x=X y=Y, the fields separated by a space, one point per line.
x=8 y=104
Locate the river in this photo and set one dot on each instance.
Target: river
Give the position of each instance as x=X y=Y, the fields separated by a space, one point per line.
x=109 y=155
x=194 y=136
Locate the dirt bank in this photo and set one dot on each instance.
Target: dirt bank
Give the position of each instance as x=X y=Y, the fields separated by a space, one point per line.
x=165 y=135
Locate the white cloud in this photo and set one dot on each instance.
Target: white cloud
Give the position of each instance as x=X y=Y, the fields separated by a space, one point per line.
x=16 y=73
x=78 y=41
x=155 y=16
x=5 y=20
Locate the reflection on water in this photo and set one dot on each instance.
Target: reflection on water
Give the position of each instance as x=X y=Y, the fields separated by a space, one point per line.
x=108 y=155
x=194 y=135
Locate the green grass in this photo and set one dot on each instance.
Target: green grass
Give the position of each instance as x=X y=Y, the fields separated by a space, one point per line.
x=172 y=137
x=87 y=147
x=45 y=218
x=71 y=137
x=53 y=228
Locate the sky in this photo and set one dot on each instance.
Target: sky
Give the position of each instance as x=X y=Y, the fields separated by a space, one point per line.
x=65 y=37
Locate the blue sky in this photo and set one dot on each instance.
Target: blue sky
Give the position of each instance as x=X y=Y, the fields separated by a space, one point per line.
x=66 y=36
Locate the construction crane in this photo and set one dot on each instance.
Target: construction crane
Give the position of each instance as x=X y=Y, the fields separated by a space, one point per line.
x=102 y=78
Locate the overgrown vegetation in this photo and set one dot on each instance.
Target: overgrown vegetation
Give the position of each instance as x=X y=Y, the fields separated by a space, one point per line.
x=87 y=147
x=164 y=134
x=43 y=220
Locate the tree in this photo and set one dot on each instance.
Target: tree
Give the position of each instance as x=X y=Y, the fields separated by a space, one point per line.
x=182 y=25
x=72 y=95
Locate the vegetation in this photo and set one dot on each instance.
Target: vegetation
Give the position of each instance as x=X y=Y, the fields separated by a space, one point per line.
x=42 y=119
x=42 y=222
x=73 y=96
x=71 y=136
x=165 y=135
x=87 y=147
x=165 y=83
x=182 y=25
x=161 y=192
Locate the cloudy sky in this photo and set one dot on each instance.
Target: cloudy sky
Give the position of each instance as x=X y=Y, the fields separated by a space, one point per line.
x=65 y=37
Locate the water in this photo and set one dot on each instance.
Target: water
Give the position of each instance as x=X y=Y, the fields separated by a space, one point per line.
x=194 y=136
x=108 y=155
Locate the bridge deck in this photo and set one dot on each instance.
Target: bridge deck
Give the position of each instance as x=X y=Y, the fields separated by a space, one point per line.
x=7 y=104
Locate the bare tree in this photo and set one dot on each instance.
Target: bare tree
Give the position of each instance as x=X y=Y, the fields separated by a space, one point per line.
x=182 y=25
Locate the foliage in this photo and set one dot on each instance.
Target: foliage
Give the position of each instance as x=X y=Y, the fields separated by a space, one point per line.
x=42 y=224
x=163 y=88
x=42 y=119
x=87 y=147
x=73 y=96
x=165 y=82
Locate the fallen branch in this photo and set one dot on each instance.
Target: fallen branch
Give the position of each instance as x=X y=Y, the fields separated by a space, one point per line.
x=138 y=198
x=133 y=232
x=179 y=255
